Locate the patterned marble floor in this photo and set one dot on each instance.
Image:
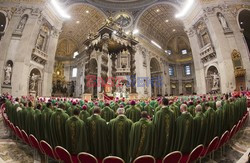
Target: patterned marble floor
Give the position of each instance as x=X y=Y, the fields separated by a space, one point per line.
x=12 y=151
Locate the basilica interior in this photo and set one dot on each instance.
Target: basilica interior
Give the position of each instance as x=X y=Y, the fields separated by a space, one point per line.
x=56 y=45
x=131 y=49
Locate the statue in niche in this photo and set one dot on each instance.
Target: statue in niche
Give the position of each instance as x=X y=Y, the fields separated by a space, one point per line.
x=8 y=72
x=33 y=82
x=216 y=81
x=223 y=21
x=40 y=42
x=22 y=23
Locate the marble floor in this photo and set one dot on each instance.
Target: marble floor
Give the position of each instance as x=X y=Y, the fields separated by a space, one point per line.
x=14 y=151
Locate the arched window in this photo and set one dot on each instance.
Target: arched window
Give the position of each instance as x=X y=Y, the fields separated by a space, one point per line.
x=2 y=24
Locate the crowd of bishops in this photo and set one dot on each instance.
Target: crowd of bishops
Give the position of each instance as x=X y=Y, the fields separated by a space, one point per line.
x=127 y=128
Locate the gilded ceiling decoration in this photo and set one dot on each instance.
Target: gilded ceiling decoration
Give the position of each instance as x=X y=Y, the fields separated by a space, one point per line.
x=159 y=23
x=84 y=19
x=128 y=4
x=66 y=47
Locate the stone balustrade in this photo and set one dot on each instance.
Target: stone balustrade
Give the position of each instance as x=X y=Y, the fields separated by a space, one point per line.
x=207 y=53
x=39 y=56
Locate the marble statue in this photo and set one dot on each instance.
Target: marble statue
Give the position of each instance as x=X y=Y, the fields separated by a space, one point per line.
x=33 y=80
x=8 y=71
x=216 y=80
x=22 y=23
x=223 y=21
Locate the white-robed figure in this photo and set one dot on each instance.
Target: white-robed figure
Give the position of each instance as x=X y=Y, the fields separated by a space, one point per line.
x=33 y=79
x=124 y=90
x=8 y=71
x=223 y=21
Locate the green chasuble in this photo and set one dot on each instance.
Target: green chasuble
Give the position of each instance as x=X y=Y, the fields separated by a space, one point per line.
x=84 y=114
x=164 y=122
x=57 y=128
x=199 y=129
x=149 y=110
x=141 y=138
x=19 y=113
x=232 y=115
x=76 y=136
x=14 y=114
x=176 y=110
x=211 y=131
x=226 y=109
x=191 y=110
x=107 y=114
x=37 y=124
x=183 y=138
x=238 y=110
x=158 y=108
x=120 y=130
x=29 y=119
x=98 y=137
x=115 y=106
x=133 y=113
x=45 y=123
x=220 y=121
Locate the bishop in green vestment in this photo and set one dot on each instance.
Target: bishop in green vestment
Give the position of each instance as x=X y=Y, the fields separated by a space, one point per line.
x=57 y=128
x=107 y=113
x=76 y=134
x=84 y=114
x=164 y=122
x=120 y=129
x=29 y=119
x=210 y=115
x=133 y=112
x=37 y=122
x=199 y=127
x=184 y=126
x=98 y=137
x=220 y=115
x=45 y=122
x=141 y=138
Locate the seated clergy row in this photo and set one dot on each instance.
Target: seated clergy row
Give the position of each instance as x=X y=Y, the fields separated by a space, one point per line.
x=130 y=132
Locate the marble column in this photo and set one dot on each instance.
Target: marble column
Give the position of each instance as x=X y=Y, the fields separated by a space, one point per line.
x=49 y=67
x=198 y=65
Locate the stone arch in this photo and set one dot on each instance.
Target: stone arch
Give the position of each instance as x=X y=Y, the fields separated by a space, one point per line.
x=156 y=77
x=3 y=21
x=243 y=21
x=35 y=81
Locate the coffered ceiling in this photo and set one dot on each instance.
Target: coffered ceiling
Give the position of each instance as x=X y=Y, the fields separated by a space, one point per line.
x=158 y=23
x=84 y=19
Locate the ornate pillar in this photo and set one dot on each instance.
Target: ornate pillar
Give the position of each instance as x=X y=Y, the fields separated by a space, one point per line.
x=104 y=66
x=87 y=79
x=113 y=72
x=132 y=52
